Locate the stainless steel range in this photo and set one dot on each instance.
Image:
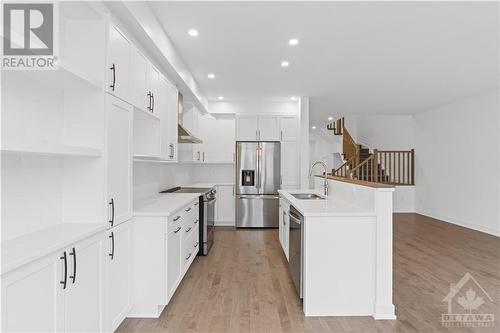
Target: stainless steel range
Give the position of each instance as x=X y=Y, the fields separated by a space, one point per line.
x=207 y=214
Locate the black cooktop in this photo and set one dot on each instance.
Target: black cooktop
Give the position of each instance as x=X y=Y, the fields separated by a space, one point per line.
x=179 y=189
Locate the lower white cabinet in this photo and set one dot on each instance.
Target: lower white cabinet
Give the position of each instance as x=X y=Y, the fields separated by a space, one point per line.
x=284 y=226
x=60 y=292
x=225 y=213
x=162 y=245
x=118 y=282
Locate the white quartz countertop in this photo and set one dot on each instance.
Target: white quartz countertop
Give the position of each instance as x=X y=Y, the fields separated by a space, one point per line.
x=165 y=204
x=331 y=206
x=22 y=250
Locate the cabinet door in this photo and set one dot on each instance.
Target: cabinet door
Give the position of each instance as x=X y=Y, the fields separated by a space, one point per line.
x=224 y=147
x=33 y=298
x=281 y=228
x=153 y=84
x=289 y=164
x=118 y=263
x=225 y=205
x=119 y=159
x=83 y=306
x=269 y=128
x=247 y=128
x=174 y=261
x=289 y=129
x=208 y=134
x=140 y=96
x=118 y=64
x=286 y=231
x=172 y=98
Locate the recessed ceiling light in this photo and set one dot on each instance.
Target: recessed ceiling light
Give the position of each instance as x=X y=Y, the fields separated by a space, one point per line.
x=285 y=63
x=293 y=41
x=330 y=118
x=220 y=98
x=314 y=127
x=193 y=32
x=211 y=76
x=293 y=98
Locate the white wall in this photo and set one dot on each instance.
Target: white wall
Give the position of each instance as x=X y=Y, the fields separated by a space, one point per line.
x=457 y=163
x=390 y=132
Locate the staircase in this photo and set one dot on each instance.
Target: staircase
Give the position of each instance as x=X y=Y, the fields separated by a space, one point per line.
x=394 y=167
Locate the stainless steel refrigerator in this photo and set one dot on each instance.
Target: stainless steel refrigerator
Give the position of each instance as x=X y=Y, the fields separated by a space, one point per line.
x=258 y=177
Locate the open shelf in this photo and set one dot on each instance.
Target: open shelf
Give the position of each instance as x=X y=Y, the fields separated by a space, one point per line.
x=52 y=150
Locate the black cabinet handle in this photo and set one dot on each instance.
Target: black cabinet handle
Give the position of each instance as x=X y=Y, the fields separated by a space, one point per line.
x=149 y=100
x=113 y=68
x=196 y=221
x=188 y=209
x=153 y=104
x=189 y=256
x=63 y=282
x=73 y=253
x=112 y=254
x=196 y=245
x=176 y=218
x=177 y=230
x=188 y=229
x=112 y=203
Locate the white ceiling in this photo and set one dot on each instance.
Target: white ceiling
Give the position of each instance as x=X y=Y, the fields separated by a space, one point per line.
x=355 y=57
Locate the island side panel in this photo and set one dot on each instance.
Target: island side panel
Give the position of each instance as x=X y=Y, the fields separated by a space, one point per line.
x=339 y=266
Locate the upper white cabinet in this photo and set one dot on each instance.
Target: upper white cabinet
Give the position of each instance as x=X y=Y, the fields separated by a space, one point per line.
x=118 y=264
x=289 y=128
x=169 y=118
x=269 y=128
x=289 y=164
x=119 y=160
x=119 y=50
x=139 y=94
x=257 y=128
x=153 y=82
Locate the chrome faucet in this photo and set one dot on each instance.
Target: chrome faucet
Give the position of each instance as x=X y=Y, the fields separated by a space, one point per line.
x=325 y=184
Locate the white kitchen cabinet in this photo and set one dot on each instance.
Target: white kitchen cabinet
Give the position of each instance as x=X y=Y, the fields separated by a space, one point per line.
x=83 y=306
x=119 y=160
x=118 y=63
x=257 y=128
x=225 y=138
x=118 y=265
x=247 y=128
x=61 y=292
x=139 y=94
x=269 y=128
x=289 y=164
x=174 y=263
x=207 y=131
x=153 y=85
x=289 y=128
x=284 y=228
x=225 y=205
x=33 y=298
x=172 y=105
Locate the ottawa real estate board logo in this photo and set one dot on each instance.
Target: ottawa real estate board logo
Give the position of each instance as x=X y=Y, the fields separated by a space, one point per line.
x=468 y=305
x=29 y=36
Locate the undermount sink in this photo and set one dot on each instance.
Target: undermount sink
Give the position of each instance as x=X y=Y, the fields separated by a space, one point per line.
x=307 y=196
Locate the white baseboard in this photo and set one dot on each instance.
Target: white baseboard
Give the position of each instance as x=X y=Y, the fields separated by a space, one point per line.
x=480 y=228
x=225 y=224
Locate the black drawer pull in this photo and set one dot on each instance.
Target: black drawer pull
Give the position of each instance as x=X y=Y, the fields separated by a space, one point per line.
x=63 y=282
x=112 y=254
x=196 y=245
x=112 y=86
x=177 y=230
x=187 y=209
x=189 y=256
x=73 y=253
x=188 y=229
x=196 y=221
x=176 y=218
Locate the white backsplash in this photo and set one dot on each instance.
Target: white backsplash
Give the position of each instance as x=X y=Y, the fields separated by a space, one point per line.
x=150 y=178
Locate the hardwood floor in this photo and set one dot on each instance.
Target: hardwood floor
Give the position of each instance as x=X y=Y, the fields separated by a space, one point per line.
x=244 y=286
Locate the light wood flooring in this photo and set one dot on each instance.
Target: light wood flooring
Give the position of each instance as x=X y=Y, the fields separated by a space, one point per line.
x=244 y=286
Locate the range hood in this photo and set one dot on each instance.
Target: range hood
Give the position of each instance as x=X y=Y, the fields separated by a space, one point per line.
x=184 y=136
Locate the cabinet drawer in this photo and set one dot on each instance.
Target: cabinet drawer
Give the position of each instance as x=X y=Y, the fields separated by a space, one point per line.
x=188 y=230
x=190 y=247
x=174 y=222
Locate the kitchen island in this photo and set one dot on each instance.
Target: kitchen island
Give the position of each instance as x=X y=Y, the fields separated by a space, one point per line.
x=346 y=248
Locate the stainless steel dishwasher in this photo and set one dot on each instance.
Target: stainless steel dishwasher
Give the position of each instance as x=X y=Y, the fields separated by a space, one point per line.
x=296 y=242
